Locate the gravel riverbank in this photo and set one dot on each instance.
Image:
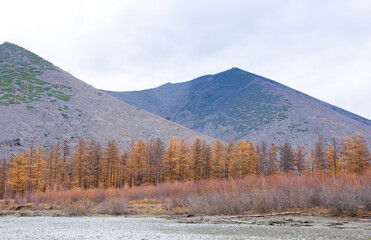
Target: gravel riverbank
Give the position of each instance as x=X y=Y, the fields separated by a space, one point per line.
x=108 y=227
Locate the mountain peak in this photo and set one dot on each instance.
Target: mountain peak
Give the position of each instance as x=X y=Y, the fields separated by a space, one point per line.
x=12 y=54
x=7 y=44
x=11 y=48
x=235 y=69
x=235 y=72
x=20 y=77
x=235 y=75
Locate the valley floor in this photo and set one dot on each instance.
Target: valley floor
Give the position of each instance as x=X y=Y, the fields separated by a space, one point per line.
x=170 y=227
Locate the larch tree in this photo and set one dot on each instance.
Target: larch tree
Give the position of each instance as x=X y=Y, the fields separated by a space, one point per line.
x=79 y=164
x=49 y=167
x=197 y=159
x=262 y=150
x=242 y=156
x=231 y=163
x=56 y=165
x=125 y=164
x=3 y=177
x=151 y=161
x=94 y=158
x=112 y=155
x=333 y=157
x=248 y=158
x=104 y=169
x=318 y=155
x=41 y=171
x=184 y=161
x=299 y=159
x=16 y=179
x=65 y=175
x=120 y=179
x=138 y=162
x=272 y=167
x=171 y=163
x=356 y=154
x=218 y=159
x=30 y=175
x=287 y=158
x=206 y=161
x=157 y=150
x=253 y=159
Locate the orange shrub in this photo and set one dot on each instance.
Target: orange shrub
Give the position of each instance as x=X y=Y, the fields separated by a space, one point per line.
x=347 y=193
x=96 y=195
x=74 y=195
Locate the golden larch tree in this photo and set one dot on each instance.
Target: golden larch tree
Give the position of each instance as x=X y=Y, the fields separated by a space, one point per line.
x=138 y=162
x=112 y=156
x=17 y=174
x=356 y=154
x=79 y=164
x=218 y=159
x=231 y=163
x=171 y=164
x=94 y=162
x=243 y=162
x=184 y=161
x=30 y=169
x=253 y=159
x=41 y=170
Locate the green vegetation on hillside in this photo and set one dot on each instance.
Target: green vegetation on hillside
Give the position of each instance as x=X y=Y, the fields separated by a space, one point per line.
x=246 y=111
x=252 y=110
x=297 y=127
x=19 y=82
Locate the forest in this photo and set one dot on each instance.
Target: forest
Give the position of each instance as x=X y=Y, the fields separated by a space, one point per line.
x=91 y=166
x=235 y=171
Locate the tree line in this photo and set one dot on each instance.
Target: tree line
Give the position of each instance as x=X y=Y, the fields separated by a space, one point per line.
x=151 y=162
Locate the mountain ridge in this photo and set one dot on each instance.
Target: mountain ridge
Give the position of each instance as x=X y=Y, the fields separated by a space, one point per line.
x=41 y=102
x=359 y=117
x=245 y=105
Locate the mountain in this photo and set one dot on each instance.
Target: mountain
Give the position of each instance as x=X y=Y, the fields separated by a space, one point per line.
x=236 y=104
x=41 y=102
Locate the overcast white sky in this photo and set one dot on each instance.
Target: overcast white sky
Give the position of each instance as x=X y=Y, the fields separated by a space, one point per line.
x=320 y=47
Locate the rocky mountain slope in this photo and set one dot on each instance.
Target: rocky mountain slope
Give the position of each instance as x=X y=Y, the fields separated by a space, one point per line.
x=236 y=104
x=41 y=102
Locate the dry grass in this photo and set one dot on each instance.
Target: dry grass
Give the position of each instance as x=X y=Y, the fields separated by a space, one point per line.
x=345 y=194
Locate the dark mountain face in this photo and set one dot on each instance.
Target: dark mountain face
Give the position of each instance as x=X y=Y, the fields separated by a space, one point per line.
x=239 y=105
x=40 y=102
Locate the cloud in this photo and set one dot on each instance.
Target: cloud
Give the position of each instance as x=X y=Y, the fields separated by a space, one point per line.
x=319 y=47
